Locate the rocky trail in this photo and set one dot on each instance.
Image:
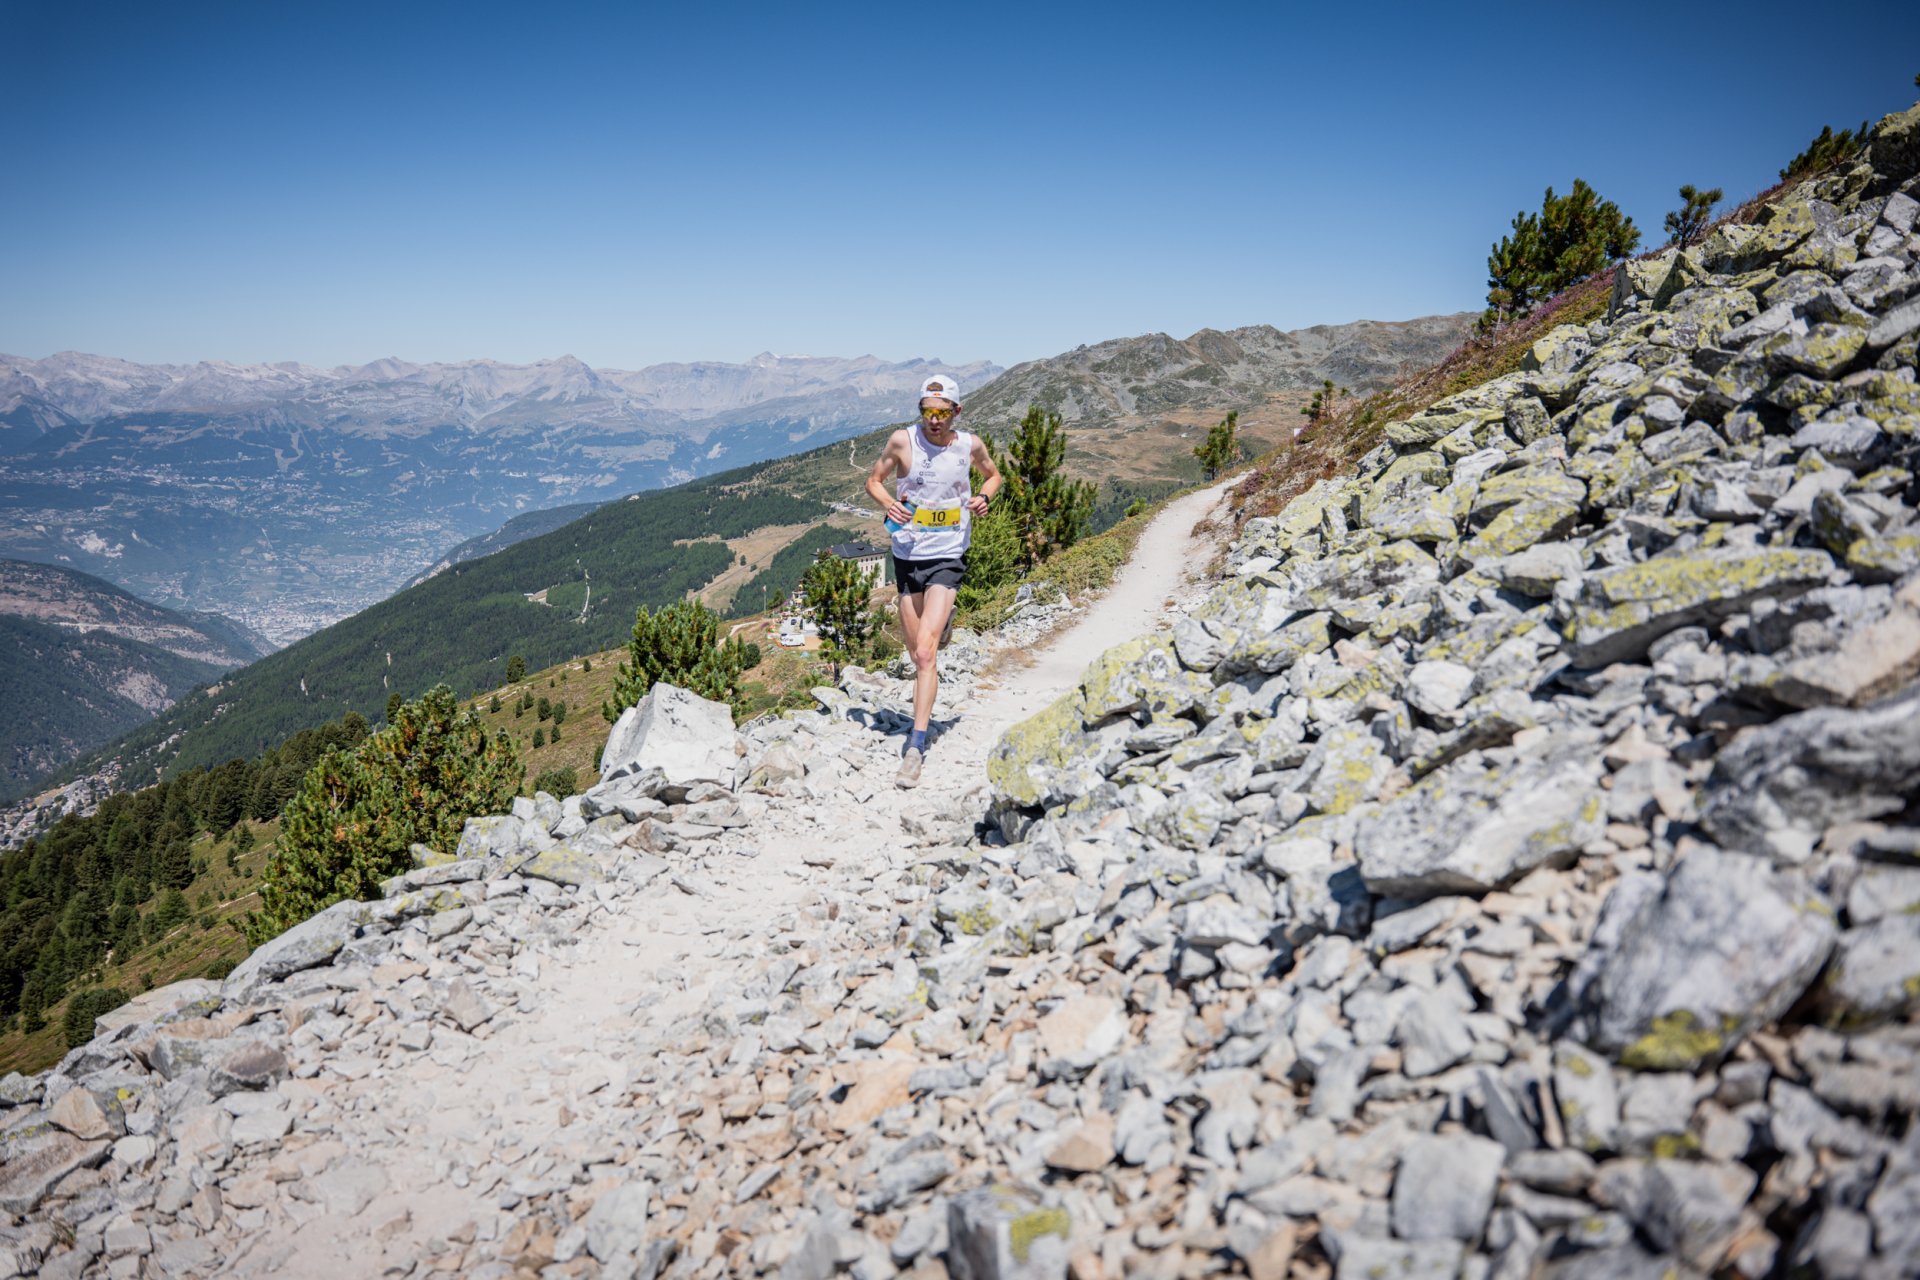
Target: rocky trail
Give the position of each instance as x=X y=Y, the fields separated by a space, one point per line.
x=1509 y=870
x=407 y=1135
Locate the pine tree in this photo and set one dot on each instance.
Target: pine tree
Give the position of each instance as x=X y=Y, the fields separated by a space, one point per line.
x=560 y=713
x=393 y=705
x=545 y=709
x=838 y=592
x=358 y=811
x=1221 y=448
x=539 y=738
x=493 y=704
x=174 y=868
x=681 y=646
x=516 y=669
x=1571 y=237
x=1048 y=508
x=1826 y=151
x=1685 y=224
x=993 y=557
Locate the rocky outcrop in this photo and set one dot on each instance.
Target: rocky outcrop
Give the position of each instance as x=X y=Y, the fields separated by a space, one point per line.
x=1538 y=807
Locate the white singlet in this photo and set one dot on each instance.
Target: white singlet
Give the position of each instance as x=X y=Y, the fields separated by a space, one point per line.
x=936 y=488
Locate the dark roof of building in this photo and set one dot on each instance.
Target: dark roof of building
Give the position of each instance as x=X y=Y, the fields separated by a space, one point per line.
x=856 y=550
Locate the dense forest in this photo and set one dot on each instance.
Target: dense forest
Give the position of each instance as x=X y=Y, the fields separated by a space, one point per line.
x=59 y=688
x=93 y=887
x=462 y=625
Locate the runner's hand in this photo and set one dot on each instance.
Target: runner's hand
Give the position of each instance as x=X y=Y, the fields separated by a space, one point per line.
x=977 y=505
x=898 y=514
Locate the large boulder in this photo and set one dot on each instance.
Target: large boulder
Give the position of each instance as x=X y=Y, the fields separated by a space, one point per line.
x=1621 y=611
x=150 y=1006
x=1777 y=788
x=1474 y=826
x=1727 y=946
x=312 y=942
x=685 y=736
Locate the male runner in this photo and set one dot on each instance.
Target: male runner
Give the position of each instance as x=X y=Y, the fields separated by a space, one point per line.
x=931 y=519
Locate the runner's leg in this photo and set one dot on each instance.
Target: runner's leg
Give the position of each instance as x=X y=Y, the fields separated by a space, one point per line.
x=935 y=606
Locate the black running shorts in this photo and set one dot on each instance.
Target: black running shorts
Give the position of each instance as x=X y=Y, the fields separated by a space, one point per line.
x=915 y=576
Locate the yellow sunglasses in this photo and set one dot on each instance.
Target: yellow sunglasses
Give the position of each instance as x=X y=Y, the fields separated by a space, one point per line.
x=938 y=415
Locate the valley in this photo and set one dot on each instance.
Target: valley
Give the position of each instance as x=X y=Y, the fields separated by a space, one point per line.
x=289 y=497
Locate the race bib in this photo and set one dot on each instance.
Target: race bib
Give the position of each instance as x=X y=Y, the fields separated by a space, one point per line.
x=938 y=517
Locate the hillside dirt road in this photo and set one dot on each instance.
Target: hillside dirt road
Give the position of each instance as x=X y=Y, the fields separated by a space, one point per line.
x=428 y=1151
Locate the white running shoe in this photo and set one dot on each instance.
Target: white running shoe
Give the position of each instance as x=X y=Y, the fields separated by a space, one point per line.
x=909 y=775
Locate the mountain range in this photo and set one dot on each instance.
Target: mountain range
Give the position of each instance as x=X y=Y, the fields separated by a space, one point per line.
x=289 y=496
x=1133 y=407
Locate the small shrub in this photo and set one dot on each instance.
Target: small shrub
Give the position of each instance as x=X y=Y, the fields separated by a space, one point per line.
x=1827 y=150
x=560 y=783
x=1572 y=237
x=357 y=811
x=1221 y=448
x=681 y=646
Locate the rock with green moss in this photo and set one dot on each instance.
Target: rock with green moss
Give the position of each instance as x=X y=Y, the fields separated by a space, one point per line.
x=1355 y=587
x=1589 y=1101
x=1522 y=525
x=1559 y=350
x=565 y=864
x=1884 y=557
x=1497 y=493
x=1347 y=768
x=1002 y=1232
x=1042 y=762
x=1277 y=650
x=1421 y=516
x=1621 y=611
x=1478 y=825
x=1726 y=946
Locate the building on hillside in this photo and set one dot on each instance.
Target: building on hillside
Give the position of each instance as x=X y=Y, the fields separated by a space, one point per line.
x=874 y=560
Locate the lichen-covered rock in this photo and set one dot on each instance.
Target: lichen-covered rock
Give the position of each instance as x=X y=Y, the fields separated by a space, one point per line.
x=1001 y=1232
x=1478 y=824
x=1622 y=611
x=567 y=864
x=312 y=942
x=1727 y=945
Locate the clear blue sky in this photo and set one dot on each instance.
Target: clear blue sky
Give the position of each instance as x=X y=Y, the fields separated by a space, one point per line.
x=637 y=183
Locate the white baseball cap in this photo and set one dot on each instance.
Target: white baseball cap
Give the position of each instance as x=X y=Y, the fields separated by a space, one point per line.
x=944 y=387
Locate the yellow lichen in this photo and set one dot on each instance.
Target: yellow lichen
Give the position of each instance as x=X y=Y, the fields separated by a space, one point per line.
x=1677 y=1042
x=1026 y=1229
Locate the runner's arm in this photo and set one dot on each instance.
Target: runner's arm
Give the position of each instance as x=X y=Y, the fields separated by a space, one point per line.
x=990 y=478
x=884 y=469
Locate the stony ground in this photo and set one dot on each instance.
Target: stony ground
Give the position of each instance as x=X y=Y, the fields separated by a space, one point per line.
x=448 y=1093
